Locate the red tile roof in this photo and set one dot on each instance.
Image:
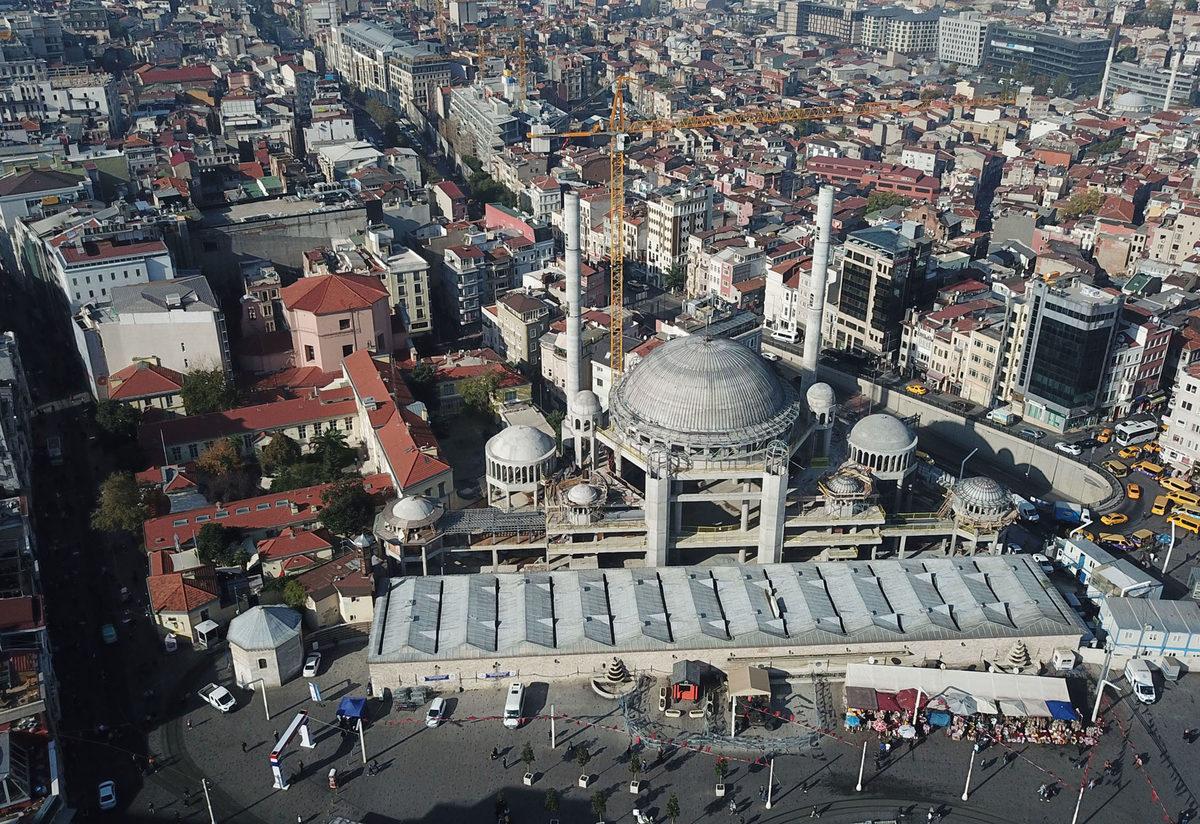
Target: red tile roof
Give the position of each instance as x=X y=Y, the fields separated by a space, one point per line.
x=270 y=511
x=173 y=592
x=143 y=380
x=92 y=251
x=327 y=294
x=292 y=542
x=409 y=448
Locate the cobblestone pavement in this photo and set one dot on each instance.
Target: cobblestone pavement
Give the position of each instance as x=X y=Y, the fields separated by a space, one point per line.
x=446 y=774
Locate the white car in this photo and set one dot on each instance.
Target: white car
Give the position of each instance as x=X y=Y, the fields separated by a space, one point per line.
x=170 y=642
x=218 y=697
x=311 y=664
x=1068 y=448
x=108 y=795
x=436 y=712
x=770 y=356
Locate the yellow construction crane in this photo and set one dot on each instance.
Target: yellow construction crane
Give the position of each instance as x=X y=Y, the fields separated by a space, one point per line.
x=619 y=130
x=520 y=54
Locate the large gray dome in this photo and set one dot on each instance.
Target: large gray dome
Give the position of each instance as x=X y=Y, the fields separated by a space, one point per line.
x=882 y=434
x=697 y=392
x=520 y=444
x=981 y=495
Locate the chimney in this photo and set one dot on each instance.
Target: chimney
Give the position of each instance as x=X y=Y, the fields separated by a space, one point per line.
x=815 y=316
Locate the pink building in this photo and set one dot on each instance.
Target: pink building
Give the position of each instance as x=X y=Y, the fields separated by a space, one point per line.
x=332 y=316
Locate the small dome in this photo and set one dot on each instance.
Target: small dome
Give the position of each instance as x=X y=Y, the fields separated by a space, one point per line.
x=1131 y=102
x=415 y=509
x=820 y=397
x=520 y=444
x=844 y=485
x=983 y=495
x=363 y=541
x=583 y=494
x=264 y=628
x=882 y=434
x=587 y=404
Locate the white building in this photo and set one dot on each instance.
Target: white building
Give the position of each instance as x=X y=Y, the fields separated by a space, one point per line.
x=36 y=193
x=1181 y=441
x=485 y=119
x=671 y=218
x=359 y=52
x=962 y=39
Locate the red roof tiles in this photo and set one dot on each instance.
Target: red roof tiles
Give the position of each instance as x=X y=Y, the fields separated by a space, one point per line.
x=327 y=294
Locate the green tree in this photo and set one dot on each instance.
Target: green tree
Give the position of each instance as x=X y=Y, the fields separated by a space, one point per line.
x=527 y=756
x=1045 y=7
x=1082 y=203
x=423 y=380
x=676 y=278
x=1191 y=5
x=216 y=544
x=663 y=84
x=554 y=419
x=380 y=112
x=599 y=804
x=347 y=509
x=206 y=390
x=120 y=506
x=332 y=453
x=582 y=756
x=477 y=393
x=1127 y=54
x=878 y=201
x=222 y=458
x=635 y=766
x=551 y=800
x=280 y=452
x=294 y=594
x=1157 y=14
x=118 y=420
x=671 y=810
x=721 y=768
x=298 y=476
x=1060 y=85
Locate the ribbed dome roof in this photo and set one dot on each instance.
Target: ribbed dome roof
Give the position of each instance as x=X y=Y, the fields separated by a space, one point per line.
x=586 y=403
x=520 y=444
x=820 y=396
x=583 y=494
x=264 y=628
x=881 y=434
x=844 y=485
x=704 y=391
x=415 y=509
x=982 y=494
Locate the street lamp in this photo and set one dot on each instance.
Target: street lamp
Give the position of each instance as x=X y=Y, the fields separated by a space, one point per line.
x=963 y=466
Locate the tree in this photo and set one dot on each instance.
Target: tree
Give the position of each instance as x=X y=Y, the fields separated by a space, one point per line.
x=671 y=810
x=222 y=458
x=381 y=113
x=635 y=766
x=347 y=509
x=206 y=390
x=1082 y=203
x=299 y=475
x=1157 y=14
x=118 y=420
x=527 y=756
x=120 y=506
x=332 y=453
x=1190 y=5
x=878 y=201
x=930 y=94
x=721 y=768
x=551 y=800
x=1061 y=85
x=280 y=451
x=599 y=804
x=1045 y=7
x=582 y=756
x=294 y=594
x=1127 y=54
x=554 y=419
x=477 y=393
x=216 y=544
x=676 y=279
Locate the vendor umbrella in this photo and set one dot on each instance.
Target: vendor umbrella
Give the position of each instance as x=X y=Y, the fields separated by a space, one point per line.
x=886 y=701
x=908 y=699
x=960 y=703
x=908 y=731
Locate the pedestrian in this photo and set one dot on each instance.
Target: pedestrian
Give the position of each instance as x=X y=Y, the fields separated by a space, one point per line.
x=762 y=793
x=929 y=815
x=299 y=768
x=150 y=808
x=804 y=788
x=274 y=735
x=732 y=806
x=1108 y=768
x=189 y=723
x=1139 y=761
x=495 y=753
x=299 y=819
x=1092 y=784
x=243 y=747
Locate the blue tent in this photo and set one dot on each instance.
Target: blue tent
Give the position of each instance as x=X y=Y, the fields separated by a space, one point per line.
x=352 y=707
x=1062 y=710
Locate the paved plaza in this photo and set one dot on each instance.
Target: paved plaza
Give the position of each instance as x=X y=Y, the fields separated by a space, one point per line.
x=446 y=774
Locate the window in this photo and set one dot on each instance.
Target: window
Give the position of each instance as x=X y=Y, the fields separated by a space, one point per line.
x=303 y=430
x=193 y=451
x=347 y=350
x=349 y=422
x=262 y=663
x=344 y=324
x=182 y=346
x=309 y=353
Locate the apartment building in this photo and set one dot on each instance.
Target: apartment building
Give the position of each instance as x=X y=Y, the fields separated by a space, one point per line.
x=514 y=325
x=1152 y=82
x=333 y=316
x=881 y=277
x=415 y=72
x=1181 y=441
x=60 y=97
x=484 y=122
x=16 y=413
x=360 y=52
x=405 y=275
x=1066 y=349
x=883 y=177
x=32 y=195
x=1135 y=362
x=962 y=39
x=900 y=30
x=670 y=218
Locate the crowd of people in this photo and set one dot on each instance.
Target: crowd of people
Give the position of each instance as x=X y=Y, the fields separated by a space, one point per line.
x=891 y=725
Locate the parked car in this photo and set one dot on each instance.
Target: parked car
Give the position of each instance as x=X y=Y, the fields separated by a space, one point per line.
x=1068 y=448
x=108 y=633
x=107 y=793
x=1131 y=451
x=916 y=389
x=1104 y=435
x=436 y=712
x=311 y=664
x=770 y=356
x=1117 y=468
x=218 y=697
x=1087 y=443
x=170 y=642
x=1032 y=434
x=1133 y=492
x=1114 y=518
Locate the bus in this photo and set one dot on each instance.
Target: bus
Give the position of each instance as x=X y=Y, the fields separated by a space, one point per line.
x=1185 y=521
x=1131 y=432
x=1175 y=485
x=1160 y=505
x=1187 y=500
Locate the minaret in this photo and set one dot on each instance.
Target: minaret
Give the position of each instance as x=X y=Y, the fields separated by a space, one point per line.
x=1171 y=83
x=814 y=317
x=574 y=296
x=1104 y=82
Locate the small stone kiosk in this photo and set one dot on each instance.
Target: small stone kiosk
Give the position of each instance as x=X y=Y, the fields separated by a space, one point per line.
x=265 y=644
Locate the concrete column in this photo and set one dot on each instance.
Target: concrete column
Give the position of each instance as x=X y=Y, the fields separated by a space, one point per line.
x=424 y=560
x=900 y=548
x=676 y=517
x=495 y=560
x=742 y=555
x=771 y=515
x=874 y=551
x=658 y=511
x=745 y=507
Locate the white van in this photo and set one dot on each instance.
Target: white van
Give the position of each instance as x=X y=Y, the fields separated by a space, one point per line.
x=1003 y=416
x=512 y=706
x=1140 y=676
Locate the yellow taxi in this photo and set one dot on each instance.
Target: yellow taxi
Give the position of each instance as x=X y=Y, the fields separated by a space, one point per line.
x=1083 y=533
x=1114 y=518
x=916 y=389
x=1131 y=451
x=1133 y=492
x=1117 y=468
x=1104 y=435
x=1154 y=447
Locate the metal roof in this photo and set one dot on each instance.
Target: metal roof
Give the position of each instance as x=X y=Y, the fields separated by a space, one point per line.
x=681 y=608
